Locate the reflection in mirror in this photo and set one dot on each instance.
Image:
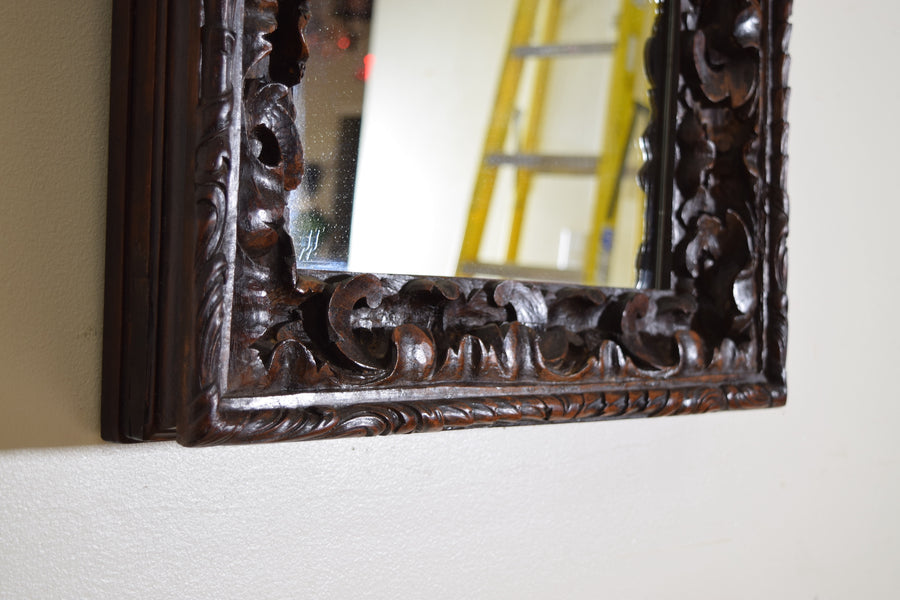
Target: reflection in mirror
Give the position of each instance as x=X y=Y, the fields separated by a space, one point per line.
x=505 y=144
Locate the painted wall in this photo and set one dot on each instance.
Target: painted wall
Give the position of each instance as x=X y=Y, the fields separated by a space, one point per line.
x=794 y=503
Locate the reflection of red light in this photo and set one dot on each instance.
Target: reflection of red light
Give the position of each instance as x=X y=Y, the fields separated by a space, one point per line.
x=368 y=63
x=343 y=42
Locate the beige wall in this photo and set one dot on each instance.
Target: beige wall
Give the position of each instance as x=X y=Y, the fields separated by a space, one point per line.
x=794 y=503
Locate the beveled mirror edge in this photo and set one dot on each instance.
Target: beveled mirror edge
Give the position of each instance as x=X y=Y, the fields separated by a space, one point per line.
x=712 y=371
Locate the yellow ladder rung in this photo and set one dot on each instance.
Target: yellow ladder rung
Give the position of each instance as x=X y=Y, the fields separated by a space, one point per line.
x=557 y=50
x=546 y=163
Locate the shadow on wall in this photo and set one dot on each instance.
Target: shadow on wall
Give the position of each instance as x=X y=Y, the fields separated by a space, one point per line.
x=53 y=121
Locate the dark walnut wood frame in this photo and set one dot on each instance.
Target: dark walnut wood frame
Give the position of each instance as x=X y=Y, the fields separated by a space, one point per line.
x=213 y=336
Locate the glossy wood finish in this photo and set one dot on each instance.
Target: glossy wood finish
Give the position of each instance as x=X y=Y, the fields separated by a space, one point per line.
x=271 y=353
x=147 y=332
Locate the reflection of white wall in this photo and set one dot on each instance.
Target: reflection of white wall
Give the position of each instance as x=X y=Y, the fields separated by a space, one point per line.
x=426 y=109
x=426 y=104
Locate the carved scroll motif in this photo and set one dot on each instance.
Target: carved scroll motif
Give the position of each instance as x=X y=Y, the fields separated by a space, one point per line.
x=383 y=418
x=718 y=225
x=295 y=332
x=214 y=161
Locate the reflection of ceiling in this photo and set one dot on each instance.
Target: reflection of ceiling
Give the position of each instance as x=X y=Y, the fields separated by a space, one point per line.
x=336 y=20
x=329 y=105
x=338 y=39
x=353 y=9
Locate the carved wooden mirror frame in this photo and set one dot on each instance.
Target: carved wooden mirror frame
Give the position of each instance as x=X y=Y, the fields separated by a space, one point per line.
x=213 y=336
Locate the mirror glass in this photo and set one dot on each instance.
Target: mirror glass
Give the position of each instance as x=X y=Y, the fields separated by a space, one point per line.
x=497 y=139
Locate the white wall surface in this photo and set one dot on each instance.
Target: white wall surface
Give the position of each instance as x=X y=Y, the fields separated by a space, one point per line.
x=798 y=503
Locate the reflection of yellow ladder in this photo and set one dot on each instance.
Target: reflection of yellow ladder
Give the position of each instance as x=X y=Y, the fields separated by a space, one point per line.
x=532 y=39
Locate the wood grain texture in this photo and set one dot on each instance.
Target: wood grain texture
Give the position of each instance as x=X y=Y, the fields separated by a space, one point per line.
x=147 y=333
x=282 y=354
